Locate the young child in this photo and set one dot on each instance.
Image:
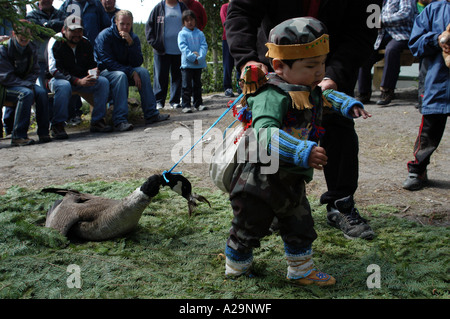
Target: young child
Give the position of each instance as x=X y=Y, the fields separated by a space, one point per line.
x=289 y=106
x=428 y=40
x=193 y=47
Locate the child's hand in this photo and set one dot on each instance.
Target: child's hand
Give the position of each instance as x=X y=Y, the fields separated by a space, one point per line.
x=357 y=111
x=317 y=158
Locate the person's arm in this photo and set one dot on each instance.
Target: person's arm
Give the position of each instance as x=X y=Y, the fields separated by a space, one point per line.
x=402 y=15
x=423 y=41
x=241 y=27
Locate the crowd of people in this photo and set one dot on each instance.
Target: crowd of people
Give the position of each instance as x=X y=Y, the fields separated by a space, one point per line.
x=98 y=59
x=312 y=65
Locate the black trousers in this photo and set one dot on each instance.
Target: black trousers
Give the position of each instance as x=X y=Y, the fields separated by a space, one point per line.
x=430 y=134
x=341 y=144
x=191 y=85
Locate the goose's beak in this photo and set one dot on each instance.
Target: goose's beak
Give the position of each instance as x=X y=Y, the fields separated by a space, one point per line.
x=193 y=202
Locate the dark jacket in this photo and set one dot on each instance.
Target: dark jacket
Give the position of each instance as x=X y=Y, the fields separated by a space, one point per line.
x=114 y=54
x=64 y=64
x=54 y=21
x=94 y=17
x=154 y=28
x=18 y=69
x=351 y=41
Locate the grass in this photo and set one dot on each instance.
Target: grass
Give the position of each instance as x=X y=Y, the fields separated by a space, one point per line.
x=173 y=256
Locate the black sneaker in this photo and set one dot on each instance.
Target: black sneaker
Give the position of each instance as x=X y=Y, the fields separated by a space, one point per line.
x=364 y=98
x=345 y=216
x=123 y=127
x=44 y=139
x=58 y=131
x=157 y=118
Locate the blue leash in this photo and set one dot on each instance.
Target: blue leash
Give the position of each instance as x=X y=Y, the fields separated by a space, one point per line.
x=214 y=124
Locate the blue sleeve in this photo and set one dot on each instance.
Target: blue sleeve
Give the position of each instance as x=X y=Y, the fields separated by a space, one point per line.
x=341 y=102
x=291 y=149
x=423 y=41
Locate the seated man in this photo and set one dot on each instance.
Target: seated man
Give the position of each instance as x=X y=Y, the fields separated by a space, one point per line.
x=69 y=62
x=19 y=69
x=119 y=56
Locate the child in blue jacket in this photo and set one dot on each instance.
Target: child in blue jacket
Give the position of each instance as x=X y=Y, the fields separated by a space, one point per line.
x=193 y=47
x=427 y=42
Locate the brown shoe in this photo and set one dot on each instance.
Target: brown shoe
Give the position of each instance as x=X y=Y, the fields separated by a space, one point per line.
x=387 y=95
x=101 y=127
x=58 y=131
x=21 y=141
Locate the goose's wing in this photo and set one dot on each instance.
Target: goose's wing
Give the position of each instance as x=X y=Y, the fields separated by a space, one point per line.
x=73 y=208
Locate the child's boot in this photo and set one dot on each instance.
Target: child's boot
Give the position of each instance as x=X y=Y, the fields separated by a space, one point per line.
x=301 y=270
x=236 y=263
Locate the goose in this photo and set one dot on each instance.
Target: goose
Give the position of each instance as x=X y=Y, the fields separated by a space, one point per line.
x=97 y=218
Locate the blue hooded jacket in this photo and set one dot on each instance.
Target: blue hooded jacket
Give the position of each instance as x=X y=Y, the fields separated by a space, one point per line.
x=424 y=43
x=190 y=41
x=114 y=54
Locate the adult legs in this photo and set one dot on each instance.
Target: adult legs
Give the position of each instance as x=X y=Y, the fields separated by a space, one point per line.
x=63 y=92
x=148 y=101
x=101 y=94
x=118 y=84
x=161 y=68
x=175 y=79
x=341 y=174
x=228 y=65
x=24 y=98
x=42 y=110
x=391 y=68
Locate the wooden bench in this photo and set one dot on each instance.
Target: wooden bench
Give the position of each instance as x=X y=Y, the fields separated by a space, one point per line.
x=406 y=59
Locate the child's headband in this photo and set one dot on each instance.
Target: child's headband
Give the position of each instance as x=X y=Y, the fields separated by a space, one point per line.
x=319 y=46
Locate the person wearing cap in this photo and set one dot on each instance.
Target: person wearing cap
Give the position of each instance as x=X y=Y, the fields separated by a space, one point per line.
x=119 y=56
x=19 y=70
x=248 y=25
x=286 y=108
x=69 y=62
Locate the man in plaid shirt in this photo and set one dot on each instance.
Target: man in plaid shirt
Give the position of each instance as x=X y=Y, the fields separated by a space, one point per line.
x=397 y=18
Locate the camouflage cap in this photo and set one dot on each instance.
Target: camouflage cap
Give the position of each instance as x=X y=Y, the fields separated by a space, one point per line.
x=298 y=38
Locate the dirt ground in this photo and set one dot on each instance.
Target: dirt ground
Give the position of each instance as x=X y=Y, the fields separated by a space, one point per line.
x=386 y=142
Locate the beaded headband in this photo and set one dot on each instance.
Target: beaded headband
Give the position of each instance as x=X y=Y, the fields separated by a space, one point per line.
x=319 y=46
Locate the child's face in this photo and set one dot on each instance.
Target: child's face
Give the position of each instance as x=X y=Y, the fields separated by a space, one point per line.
x=189 y=23
x=309 y=71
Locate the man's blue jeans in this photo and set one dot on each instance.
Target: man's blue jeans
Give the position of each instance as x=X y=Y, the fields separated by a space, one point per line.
x=25 y=97
x=119 y=84
x=63 y=92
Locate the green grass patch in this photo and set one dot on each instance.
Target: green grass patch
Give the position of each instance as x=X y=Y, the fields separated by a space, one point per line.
x=172 y=256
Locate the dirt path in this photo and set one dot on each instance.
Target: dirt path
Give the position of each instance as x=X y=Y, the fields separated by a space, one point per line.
x=386 y=142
